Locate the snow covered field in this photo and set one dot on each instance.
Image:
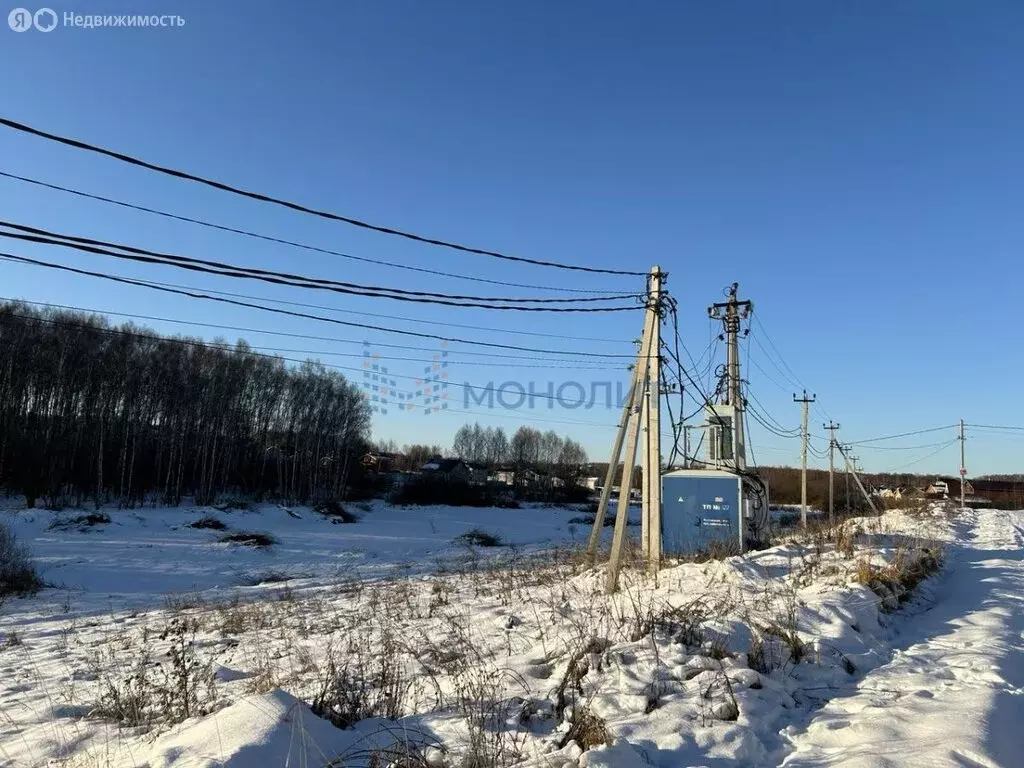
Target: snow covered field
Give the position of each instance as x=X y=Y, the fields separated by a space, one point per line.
x=151 y=552
x=433 y=653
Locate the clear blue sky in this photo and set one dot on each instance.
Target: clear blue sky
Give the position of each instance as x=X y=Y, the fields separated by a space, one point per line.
x=856 y=166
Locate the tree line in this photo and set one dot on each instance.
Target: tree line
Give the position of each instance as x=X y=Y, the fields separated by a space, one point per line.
x=784 y=485
x=93 y=411
x=526 y=448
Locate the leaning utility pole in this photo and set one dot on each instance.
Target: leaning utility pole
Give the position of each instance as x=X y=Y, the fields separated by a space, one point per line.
x=803 y=456
x=851 y=463
x=831 y=427
x=641 y=411
x=963 y=465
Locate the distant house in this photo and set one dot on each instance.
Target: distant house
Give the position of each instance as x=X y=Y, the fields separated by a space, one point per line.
x=527 y=476
x=593 y=483
x=503 y=476
x=447 y=469
x=1002 y=492
x=477 y=473
x=948 y=488
x=380 y=461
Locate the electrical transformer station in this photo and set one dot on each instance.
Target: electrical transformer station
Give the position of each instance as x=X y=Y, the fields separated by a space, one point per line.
x=716 y=502
x=712 y=503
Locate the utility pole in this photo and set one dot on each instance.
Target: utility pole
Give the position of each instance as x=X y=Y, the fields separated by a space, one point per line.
x=852 y=460
x=831 y=427
x=847 y=473
x=963 y=465
x=686 y=444
x=731 y=312
x=803 y=456
x=640 y=412
x=652 y=454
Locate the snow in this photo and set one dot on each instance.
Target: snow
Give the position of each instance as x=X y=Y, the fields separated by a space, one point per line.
x=666 y=667
x=273 y=729
x=953 y=693
x=150 y=552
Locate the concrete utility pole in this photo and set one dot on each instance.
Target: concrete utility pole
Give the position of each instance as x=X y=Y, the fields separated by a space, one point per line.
x=686 y=444
x=963 y=464
x=851 y=463
x=652 y=455
x=731 y=312
x=831 y=427
x=641 y=411
x=847 y=473
x=803 y=456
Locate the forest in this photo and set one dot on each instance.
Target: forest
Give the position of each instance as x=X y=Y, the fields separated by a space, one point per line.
x=90 y=411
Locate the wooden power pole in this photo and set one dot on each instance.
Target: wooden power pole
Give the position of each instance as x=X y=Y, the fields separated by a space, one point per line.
x=803 y=456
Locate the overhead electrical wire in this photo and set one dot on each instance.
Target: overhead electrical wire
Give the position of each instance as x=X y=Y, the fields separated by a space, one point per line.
x=77 y=144
x=196 y=294
x=900 y=447
x=760 y=420
x=504 y=356
x=792 y=378
x=223 y=269
x=363 y=313
x=902 y=434
x=925 y=458
x=768 y=417
x=193 y=343
x=244 y=329
x=291 y=243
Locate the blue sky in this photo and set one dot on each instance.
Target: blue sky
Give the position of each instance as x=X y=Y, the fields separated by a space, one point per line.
x=857 y=167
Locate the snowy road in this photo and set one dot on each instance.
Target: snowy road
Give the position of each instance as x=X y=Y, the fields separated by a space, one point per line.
x=953 y=694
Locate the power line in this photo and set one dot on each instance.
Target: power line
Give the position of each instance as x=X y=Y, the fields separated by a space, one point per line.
x=901 y=447
x=298 y=207
x=188 y=342
x=244 y=329
x=763 y=420
x=290 y=243
x=994 y=426
x=199 y=295
x=902 y=434
x=925 y=458
x=207 y=266
x=362 y=313
x=795 y=380
x=505 y=358
x=767 y=415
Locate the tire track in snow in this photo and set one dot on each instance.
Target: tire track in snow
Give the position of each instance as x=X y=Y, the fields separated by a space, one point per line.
x=953 y=693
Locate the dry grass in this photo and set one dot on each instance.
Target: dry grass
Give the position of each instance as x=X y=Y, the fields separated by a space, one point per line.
x=586 y=729
x=895 y=582
x=249 y=539
x=18 y=575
